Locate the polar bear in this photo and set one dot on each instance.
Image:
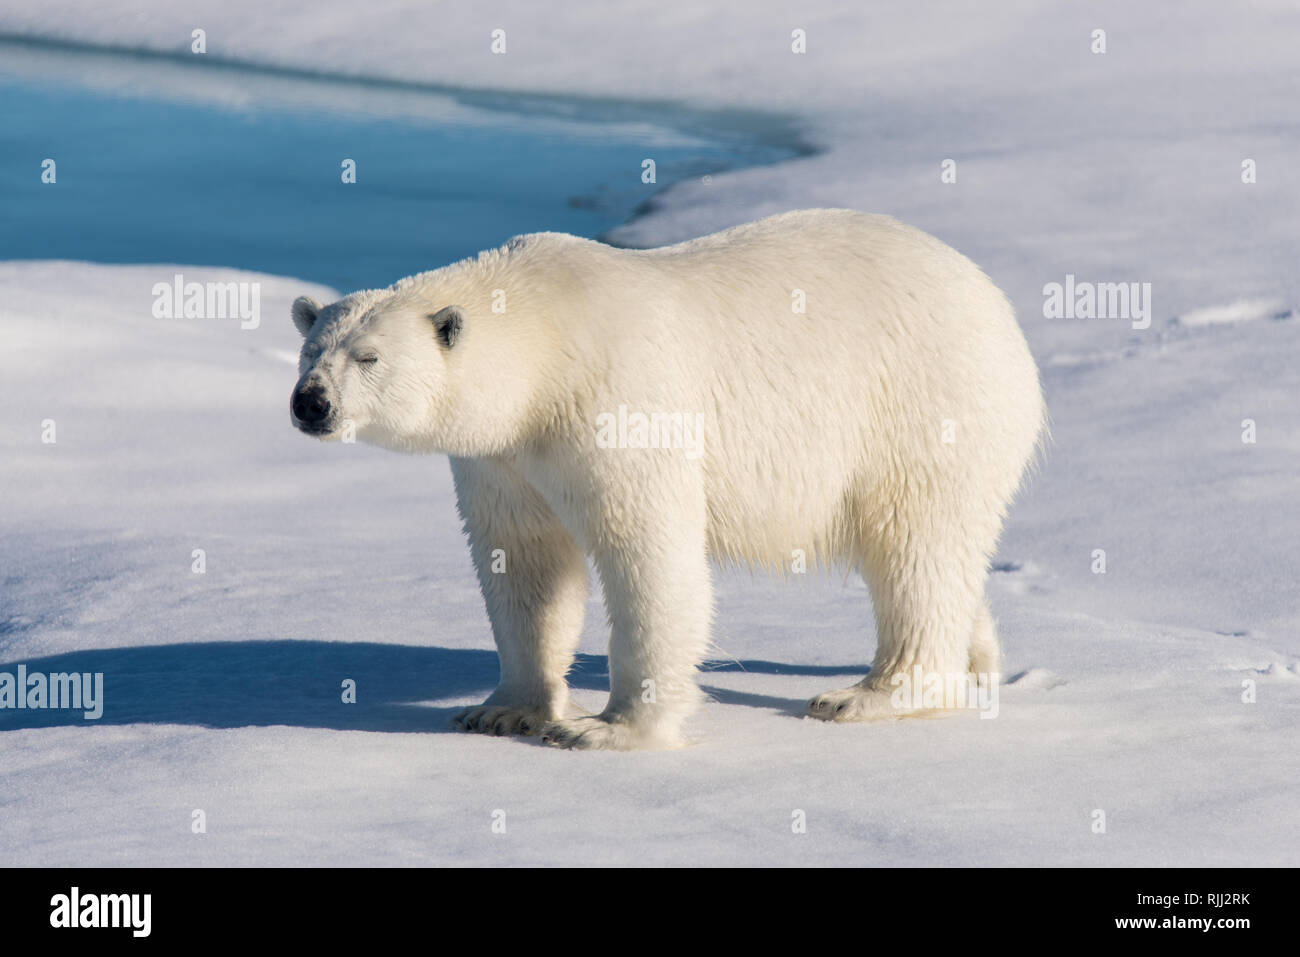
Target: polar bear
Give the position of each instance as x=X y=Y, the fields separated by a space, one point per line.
x=823 y=383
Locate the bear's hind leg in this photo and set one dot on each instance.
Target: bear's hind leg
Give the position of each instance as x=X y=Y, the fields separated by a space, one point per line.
x=534 y=582
x=925 y=596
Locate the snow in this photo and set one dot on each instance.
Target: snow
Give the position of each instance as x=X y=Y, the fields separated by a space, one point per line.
x=1125 y=689
x=1243 y=310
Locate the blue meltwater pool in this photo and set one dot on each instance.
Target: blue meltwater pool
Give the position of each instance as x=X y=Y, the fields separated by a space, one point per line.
x=161 y=159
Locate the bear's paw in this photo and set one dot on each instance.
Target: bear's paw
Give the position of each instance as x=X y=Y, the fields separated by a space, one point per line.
x=598 y=733
x=497 y=720
x=856 y=704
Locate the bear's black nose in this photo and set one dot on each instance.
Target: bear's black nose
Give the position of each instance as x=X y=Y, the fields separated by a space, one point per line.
x=310 y=404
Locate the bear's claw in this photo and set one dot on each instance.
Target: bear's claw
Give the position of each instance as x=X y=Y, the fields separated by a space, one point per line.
x=499 y=721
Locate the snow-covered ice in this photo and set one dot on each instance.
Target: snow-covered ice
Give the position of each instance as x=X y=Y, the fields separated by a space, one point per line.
x=1124 y=690
x=1243 y=310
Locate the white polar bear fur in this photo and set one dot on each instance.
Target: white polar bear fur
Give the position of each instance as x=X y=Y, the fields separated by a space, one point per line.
x=822 y=432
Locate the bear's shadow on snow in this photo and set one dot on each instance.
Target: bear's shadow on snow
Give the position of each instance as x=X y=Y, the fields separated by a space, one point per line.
x=300 y=683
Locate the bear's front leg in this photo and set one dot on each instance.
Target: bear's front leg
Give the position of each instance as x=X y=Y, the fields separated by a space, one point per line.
x=534 y=582
x=653 y=565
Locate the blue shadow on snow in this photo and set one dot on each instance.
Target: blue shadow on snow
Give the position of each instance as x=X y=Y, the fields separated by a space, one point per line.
x=299 y=683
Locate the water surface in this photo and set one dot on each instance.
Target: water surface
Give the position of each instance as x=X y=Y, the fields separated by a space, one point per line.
x=159 y=160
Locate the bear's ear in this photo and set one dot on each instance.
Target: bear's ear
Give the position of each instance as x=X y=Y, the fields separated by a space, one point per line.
x=305 y=309
x=448 y=323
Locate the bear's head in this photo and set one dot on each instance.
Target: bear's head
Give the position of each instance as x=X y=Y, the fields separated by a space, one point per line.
x=372 y=366
x=474 y=359
x=413 y=369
